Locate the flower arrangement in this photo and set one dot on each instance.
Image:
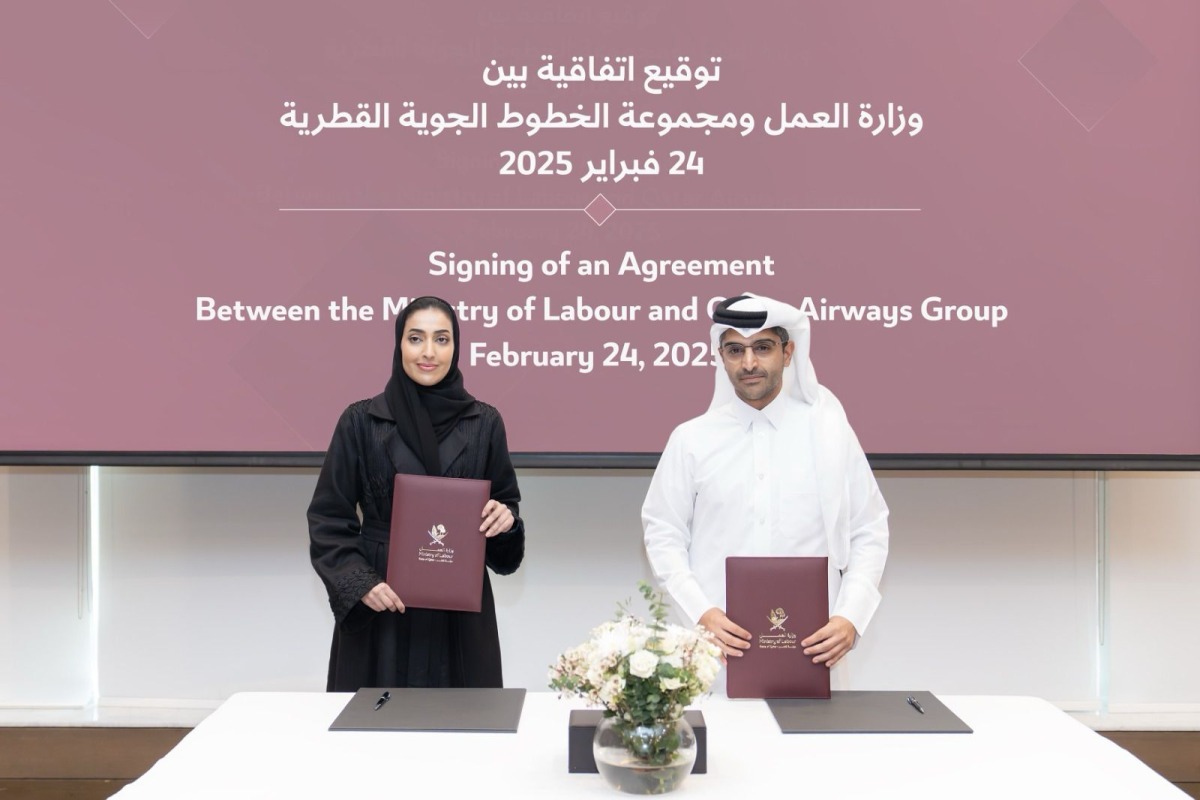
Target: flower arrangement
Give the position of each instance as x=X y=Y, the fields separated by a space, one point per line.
x=644 y=673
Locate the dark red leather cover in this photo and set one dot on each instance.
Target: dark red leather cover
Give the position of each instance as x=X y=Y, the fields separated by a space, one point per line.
x=435 y=557
x=780 y=600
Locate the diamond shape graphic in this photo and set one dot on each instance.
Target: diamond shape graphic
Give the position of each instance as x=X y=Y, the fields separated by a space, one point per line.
x=1088 y=61
x=599 y=209
x=147 y=15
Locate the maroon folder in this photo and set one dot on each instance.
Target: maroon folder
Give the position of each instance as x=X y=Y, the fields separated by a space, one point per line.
x=780 y=600
x=435 y=558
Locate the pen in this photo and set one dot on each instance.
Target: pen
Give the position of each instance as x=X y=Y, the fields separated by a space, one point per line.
x=383 y=698
x=912 y=701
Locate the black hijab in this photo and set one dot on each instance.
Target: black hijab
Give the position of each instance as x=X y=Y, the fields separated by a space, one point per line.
x=424 y=415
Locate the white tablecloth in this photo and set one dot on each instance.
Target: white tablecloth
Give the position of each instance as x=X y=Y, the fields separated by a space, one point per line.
x=277 y=745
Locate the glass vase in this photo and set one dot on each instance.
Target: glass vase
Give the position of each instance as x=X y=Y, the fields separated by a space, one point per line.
x=644 y=759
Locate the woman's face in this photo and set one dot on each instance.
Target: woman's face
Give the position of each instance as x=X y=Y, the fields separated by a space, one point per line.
x=428 y=346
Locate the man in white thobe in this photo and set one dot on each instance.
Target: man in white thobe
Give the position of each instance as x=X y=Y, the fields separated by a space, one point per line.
x=773 y=468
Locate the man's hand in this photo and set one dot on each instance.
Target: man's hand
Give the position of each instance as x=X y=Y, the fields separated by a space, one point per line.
x=382 y=598
x=831 y=642
x=730 y=637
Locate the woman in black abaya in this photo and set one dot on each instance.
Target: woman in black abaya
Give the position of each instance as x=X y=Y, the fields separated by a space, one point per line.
x=424 y=423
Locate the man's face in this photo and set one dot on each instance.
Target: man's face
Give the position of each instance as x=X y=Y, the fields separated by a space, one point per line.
x=755 y=365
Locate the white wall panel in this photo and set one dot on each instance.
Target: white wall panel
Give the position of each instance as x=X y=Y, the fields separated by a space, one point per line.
x=1154 y=571
x=45 y=645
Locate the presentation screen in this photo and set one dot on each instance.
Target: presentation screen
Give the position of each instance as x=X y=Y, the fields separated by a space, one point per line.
x=214 y=212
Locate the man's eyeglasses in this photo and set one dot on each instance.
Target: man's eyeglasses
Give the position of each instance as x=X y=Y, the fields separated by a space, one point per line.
x=762 y=348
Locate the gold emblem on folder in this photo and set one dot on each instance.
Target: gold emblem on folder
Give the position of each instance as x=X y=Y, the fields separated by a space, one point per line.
x=436 y=551
x=437 y=533
x=777 y=617
x=777 y=641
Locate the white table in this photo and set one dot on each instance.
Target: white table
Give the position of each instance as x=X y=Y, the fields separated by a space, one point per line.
x=277 y=745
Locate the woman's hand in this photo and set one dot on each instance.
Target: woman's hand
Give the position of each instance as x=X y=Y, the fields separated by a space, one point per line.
x=497 y=518
x=382 y=598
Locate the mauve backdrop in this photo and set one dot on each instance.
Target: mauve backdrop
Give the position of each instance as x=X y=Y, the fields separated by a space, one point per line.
x=1056 y=174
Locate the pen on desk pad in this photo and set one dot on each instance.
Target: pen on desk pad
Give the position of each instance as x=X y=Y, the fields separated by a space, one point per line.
x=383 y=698
x=912 y=701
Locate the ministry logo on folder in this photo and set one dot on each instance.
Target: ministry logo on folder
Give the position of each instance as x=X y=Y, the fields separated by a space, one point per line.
x=437 y=533
x=783 y=640
x=436 y=553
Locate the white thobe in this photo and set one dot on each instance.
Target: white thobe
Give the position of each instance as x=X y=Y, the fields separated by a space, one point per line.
x=790 y=479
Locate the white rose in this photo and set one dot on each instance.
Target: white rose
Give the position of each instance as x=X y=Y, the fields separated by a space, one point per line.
x=706 y=671
x=675 y=660
x=670 y=684
x=676 y=639
x=642 y=663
